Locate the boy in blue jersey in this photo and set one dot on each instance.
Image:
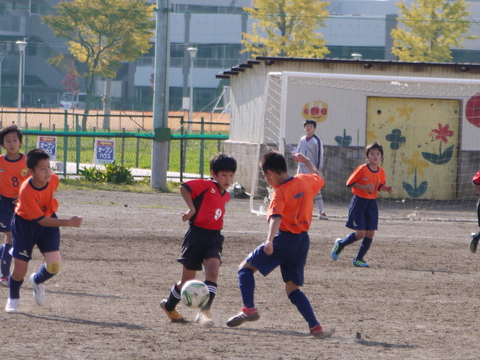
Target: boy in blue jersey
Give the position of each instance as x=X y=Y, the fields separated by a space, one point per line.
x=35 y=223
x=203 y=242
x=289 y=217
x=476 y=236
x=365 y=181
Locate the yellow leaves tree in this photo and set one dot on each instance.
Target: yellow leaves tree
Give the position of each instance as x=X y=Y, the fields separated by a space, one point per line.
x=102 y=34
x=286 y=28
x=430 y=29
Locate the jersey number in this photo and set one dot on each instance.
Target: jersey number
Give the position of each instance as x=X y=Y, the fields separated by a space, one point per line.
x=15 y=182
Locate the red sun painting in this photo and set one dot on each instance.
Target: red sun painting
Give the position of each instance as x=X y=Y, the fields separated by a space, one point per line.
x=472 y=110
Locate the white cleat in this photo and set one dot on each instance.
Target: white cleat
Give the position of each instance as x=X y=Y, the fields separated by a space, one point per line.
x=38 y=291
x=12 y=306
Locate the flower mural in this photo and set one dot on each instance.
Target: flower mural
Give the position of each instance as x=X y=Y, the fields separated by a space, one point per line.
x=396 y=139
x=415 y=166
x=344 y=140
x=442 y=134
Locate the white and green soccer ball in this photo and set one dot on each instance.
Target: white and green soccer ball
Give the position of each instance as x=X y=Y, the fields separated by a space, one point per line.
x=195 y=294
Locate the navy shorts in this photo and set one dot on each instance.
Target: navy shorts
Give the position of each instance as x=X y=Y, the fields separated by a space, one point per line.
x=7 y=208
x=200 y=244
x=26 y=234
x=362 y=214
x=289 y=252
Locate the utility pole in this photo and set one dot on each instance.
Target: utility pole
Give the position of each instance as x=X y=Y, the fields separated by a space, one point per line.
x=160 y=97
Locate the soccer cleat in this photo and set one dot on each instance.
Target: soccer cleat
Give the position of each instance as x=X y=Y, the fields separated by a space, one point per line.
x=38 y=291
x=12 y=306
x=323 y=216
x=204 y=318
x=247 y=315
x=173 y=315
x=337 y=249
x=360 y=263
x=4 y=281
x=473 y=243
x=316 y=331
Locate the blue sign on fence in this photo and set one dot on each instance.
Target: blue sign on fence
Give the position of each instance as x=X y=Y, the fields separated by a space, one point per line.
x=104 y=151
x=49 y=144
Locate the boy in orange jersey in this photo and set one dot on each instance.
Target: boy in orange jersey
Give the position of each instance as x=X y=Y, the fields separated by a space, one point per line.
x=289 y=216
x=366 y=181
x=13 y=172
x=35 y=223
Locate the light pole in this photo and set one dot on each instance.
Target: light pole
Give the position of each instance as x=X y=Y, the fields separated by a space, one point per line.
x=193 y=53
x=21 y=48
x=1 y=60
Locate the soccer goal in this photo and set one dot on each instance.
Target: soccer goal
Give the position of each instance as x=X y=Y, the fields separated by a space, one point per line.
x=429 y=129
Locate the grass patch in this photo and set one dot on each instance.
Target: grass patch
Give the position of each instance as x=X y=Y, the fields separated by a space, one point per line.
x=141 y=186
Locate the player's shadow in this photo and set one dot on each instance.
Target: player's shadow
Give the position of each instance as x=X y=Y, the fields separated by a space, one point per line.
x=383 y=344
x=82 y=294
x=71 y=320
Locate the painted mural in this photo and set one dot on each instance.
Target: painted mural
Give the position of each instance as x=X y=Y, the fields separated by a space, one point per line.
x=420 y=140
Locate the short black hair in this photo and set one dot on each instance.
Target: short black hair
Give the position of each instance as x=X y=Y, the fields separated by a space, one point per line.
x=223 y=162
x=34 y=156
x=273 y=161
x=310 y=121
x=375 y=145
x=8 y=130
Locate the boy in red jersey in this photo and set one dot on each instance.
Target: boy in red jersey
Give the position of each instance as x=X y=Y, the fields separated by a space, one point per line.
x=476 y=236
x=13 y=172
x=289 y=217
x=365 y=181
x=35 y=223
x=203 y=241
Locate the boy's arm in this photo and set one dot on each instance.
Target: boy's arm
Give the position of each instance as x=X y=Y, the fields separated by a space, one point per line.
x=386 y=188
x=189 y=201
x=308 y=163
x=273 y=227
x=74 y=221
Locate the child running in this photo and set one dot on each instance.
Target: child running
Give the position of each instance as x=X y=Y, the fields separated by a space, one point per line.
x=476 y=237
x=35 y=223
x=13 y=172
x=365 y=181
x=203 y=242
x=289 y=216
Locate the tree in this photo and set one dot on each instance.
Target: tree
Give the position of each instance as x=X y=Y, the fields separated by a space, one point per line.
x=102 y=34
x=71 y=83
x=289 y=26
x=431 y=28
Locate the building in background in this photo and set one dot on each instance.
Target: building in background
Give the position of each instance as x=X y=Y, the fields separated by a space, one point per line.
x=355 y=26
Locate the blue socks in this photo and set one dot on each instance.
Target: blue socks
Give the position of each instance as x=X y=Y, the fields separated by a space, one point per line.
x=364 y=248
x=350 y=239
x=6 y=259
x=246 y=283
x=42 y=275
x=300 y=300
x=14 y=288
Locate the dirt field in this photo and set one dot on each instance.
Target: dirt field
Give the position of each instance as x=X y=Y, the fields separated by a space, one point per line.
x=419 y=299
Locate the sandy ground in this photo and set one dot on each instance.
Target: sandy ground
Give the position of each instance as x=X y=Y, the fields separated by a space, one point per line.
x=419 y=299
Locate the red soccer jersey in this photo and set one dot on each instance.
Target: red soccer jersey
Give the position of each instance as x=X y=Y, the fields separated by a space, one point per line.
x=293 y=201
x=363 y=175
x=35 y=204
x=12 y=175
x=476 y=178
x=209 y=203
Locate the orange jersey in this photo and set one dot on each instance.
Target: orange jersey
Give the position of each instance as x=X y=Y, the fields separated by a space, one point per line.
x=363 y=175
x=35 y=204
x=12 y=175
x=293 y=201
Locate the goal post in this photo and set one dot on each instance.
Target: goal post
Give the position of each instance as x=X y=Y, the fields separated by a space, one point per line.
x=429 y=129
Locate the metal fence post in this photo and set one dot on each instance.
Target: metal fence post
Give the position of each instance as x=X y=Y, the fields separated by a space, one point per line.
x=202 y=147
x=78 y=140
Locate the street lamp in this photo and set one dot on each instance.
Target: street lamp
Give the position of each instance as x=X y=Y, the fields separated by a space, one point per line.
x=193 y=53
x=1 y=60
x=21 y=48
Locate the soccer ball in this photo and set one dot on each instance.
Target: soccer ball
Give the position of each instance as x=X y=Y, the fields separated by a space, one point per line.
x=195 y=294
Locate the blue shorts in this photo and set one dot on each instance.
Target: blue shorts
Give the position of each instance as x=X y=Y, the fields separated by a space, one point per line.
x=7 y=208
x=289 y=252
x=26 y=234
x=362 y=214
x=200 y=244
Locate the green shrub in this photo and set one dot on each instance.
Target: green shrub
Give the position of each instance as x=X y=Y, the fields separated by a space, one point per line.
x=113 y=173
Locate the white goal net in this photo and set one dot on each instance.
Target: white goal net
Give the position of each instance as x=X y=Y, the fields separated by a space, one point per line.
x=429 y=129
